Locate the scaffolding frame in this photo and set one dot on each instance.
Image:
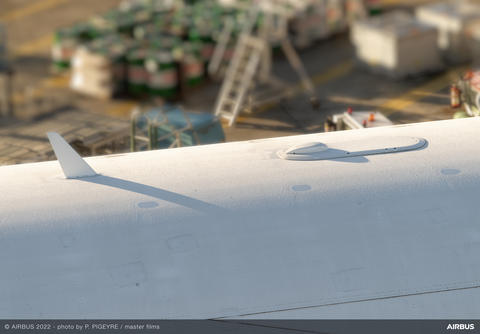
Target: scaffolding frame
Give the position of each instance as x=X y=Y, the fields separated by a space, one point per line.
x=149 y=138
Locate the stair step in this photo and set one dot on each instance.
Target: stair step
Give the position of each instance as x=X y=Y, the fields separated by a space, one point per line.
x=240 y=73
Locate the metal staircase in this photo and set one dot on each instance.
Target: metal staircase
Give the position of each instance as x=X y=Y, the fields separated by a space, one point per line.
x=252 y=55
x=217 y=64
x=215 y=67
x=239 y=77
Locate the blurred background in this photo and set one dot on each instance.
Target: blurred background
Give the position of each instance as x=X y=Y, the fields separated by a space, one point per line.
x=116 y=76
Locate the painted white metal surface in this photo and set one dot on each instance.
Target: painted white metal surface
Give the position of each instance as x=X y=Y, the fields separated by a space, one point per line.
x=73 y=165
x=454 y=304
x=361 y=147
x=232 y=230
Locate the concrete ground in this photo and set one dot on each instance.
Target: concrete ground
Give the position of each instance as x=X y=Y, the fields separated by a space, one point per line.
x=40 y=94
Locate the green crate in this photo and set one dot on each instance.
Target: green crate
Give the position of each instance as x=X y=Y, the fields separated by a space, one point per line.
x=137 y=75
x=163 y=74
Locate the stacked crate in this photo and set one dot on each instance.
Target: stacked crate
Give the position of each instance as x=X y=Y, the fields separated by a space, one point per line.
x=452 y=19
x=323 y=18
x=396 y=44
x=162 y=72
x=169 y=45
x=98 y=70
x=66 y=41
x=163 y=45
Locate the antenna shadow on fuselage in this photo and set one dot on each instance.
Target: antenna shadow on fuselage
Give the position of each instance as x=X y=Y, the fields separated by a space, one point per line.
x=158 y=193
x=362 y=158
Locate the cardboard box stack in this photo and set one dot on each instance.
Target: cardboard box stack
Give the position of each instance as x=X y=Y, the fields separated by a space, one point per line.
x=452 y=20
x=396 y=44
x=323 y=18
x=96 y=73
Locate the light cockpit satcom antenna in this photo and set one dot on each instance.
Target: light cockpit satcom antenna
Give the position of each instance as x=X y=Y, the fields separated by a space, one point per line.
x=72 y=163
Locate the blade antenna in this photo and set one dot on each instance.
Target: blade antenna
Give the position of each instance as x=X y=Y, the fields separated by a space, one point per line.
x=73 y=165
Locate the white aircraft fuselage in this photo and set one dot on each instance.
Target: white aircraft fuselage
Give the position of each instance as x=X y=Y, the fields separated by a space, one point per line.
x=237 y=231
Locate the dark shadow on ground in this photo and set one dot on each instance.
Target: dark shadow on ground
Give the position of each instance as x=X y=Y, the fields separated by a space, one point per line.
x=36 y=65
